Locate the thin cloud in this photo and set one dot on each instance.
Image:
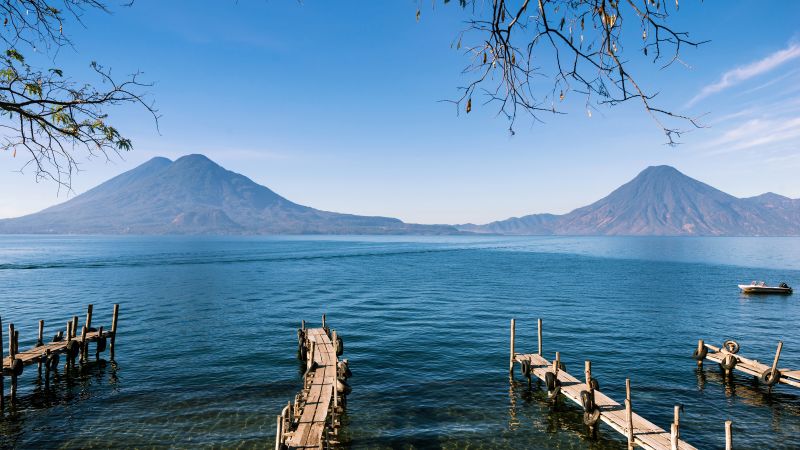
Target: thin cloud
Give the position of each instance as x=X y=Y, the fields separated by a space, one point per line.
x=744 y=73
x=756 y=133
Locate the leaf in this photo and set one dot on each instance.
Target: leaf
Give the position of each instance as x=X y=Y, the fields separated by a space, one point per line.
x=484 y=57
x=644 y=35
x=418 y=13
x=561 y=97
x=12 y=53
x=469 y=105
x=561 y=25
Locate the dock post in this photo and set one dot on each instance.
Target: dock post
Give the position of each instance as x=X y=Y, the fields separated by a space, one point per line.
x=511 y=359
x=303 y=325
x=97 y=345
x=74 y=327
x=113 y=331
x=323 y=321
x=278 y=440
x=629 y=413
x=2 y=377
x=700 y=346
x=676 y=428
x=39 y=343
x=557 y=364
x=89 y=316
x=777 y=357
x=69 y=338
x=587 y=370
x=728 y=435
x=310 y=361
x=84 y=346
x=12 y=354
x=539 y=323
x=47 y=369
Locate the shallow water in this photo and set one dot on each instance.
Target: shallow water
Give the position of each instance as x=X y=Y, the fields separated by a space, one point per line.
x=206 y=349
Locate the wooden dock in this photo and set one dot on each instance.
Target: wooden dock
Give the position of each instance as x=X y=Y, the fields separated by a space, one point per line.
x=728 y=358
x=596 y=405
x=47 y=355
x=313 y=420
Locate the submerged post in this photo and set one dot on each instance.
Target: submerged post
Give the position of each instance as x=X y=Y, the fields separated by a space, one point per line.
x=728 y=435
x=629 y=413
x=511 y=359
x=539 y=323
x=113 y=331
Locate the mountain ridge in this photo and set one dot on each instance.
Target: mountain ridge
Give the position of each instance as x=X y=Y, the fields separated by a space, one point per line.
x=663 y=201
x=194 y=195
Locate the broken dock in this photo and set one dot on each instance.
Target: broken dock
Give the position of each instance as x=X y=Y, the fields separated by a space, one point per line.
x=596 y=405
x=313 y=421
x=728 y=358
x=47 y=355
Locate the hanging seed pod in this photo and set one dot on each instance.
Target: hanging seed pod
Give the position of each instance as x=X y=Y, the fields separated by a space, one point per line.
x=469 y=105
x=561 y=97
x=418 y=14
x=644 y=35
x=484 y=57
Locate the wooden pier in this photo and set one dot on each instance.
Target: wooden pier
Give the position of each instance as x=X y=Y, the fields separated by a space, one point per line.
x=313 y=420
x=596 y=405
x=728 y=358
x=67 y=342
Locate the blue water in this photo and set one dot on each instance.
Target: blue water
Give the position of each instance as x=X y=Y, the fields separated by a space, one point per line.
x=206 y=349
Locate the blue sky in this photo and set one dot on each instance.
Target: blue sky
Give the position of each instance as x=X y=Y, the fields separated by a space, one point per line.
x=336 y=105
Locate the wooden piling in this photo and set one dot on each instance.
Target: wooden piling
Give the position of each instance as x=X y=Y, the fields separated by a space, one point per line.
x=587 y=370
x=113 y=331
x=74 y=327
x=89 y=316
x=557 y=363
x=673 y=437
x=16 y=342
x=539 y=323
x=511 y=362
x=728 y=435
x=777 y=356
x=676 y=422
x=84 y=354
x=700 y=346
x=278 y=433
x=629 y=413
x=39 y=343
x=97 y=346
x=47 y=368
x=12 y=354
x=323 y=321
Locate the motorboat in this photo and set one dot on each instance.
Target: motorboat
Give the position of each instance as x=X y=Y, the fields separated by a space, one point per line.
x=759 y=287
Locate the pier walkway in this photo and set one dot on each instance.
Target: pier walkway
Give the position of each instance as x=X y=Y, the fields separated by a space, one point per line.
x=312 y=422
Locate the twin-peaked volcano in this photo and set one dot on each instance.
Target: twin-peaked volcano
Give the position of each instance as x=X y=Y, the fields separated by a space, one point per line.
x=663 y=201
x=194 y=195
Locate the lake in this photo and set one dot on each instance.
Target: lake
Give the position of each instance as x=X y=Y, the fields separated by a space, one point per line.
x=206 y=353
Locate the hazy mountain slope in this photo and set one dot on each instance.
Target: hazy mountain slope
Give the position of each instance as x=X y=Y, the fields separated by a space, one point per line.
x=663 y=201
x=195 y=195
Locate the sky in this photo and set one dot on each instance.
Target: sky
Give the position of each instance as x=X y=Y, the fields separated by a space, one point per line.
x=338 y=106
